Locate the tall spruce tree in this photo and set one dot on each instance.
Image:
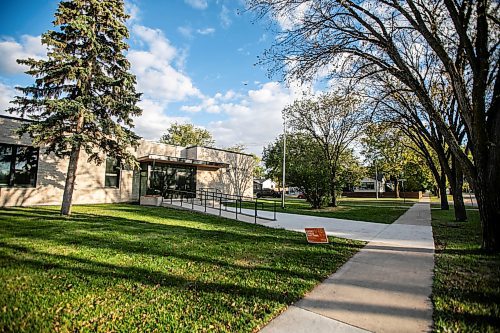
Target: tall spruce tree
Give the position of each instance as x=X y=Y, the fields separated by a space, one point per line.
x=84 y=96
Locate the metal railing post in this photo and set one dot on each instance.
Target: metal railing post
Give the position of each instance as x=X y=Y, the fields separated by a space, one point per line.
x=274 y=210
x=220 y=205
x=181 y=198
x=236 y=201
x=255 y=211
x=205 y=202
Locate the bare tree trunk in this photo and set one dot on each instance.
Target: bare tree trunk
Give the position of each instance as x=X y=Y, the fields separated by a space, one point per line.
x=456 y=182
x=71 y=174
x=70 y=181
x=333 y=199
x=487 y=190
x=442 y=190
x=488 y=200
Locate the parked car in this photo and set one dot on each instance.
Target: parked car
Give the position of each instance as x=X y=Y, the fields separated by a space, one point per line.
x=301 y=196
x=267 y=192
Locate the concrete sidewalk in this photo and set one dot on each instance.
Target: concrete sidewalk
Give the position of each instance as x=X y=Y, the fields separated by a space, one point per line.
x=383 y=288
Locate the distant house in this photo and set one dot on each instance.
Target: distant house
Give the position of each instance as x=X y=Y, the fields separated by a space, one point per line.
x=261 y=183
x=370 y=184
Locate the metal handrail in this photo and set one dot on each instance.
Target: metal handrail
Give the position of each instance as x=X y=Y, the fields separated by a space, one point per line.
x=208 y=199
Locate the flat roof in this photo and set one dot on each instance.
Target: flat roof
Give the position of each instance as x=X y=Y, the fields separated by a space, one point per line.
x=183 y=161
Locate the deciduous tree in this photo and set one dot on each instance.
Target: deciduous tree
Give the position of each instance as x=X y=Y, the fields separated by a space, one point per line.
x=187 y=135
x=333 y=121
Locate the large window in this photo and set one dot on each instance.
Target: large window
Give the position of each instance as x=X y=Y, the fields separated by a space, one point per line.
x=160 y=178
x=112 y=176
x=18 y=165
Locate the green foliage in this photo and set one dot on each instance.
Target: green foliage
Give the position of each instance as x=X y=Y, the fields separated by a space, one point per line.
x=305 y=166
x=128 y=268
x=332 y=121
x=395 y=156
x=350 y=172
x=84 y=95
x=187 y=135
x=466 y=285
x=258 y=170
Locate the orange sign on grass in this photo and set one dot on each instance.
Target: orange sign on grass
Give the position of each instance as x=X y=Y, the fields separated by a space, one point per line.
x=316 y=235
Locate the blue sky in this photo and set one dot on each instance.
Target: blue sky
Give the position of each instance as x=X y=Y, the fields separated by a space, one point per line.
x=194 y=61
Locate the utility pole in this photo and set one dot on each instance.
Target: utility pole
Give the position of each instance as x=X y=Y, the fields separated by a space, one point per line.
x=284 y=160
x=376 y=180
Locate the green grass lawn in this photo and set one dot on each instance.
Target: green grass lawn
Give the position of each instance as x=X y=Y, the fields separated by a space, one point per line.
x=466 y=290
x=369 y=210
x=129 y=268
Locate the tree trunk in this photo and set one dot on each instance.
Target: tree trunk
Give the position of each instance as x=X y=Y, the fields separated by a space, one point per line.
x=458 y=199
x=333 y=199
x=70 y=180
x=396 y=187
x=489 y=210
x=69 y=186
x=487 y=190
x=442 y=190
x=456 y=182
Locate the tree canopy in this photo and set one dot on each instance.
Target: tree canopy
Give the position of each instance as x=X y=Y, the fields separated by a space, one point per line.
x=305 y=166
x=187 y=135
x=333 y=121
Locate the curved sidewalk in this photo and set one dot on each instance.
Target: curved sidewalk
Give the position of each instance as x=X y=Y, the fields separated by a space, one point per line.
x=385 y=287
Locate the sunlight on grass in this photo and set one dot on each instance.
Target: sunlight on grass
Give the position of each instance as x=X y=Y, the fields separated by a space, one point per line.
x=369 y=210
x=466 y=290
x=132 y=268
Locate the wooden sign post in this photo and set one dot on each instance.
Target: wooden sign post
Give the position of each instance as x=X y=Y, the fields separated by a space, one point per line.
x=316 y=235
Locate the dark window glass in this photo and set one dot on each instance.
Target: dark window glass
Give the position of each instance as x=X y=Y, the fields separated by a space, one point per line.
x=18 y=165
x=5 y=164
x=112 y=176
x=164 y=177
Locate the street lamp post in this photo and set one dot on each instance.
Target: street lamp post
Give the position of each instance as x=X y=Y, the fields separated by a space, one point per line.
x=284 y=160
x=376 y=180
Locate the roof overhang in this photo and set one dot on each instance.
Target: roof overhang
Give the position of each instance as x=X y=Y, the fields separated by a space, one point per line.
x=183 y=161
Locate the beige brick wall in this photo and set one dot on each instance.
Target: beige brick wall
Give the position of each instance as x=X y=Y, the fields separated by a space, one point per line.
x=237 y=179
x=89 y=187
x=146 y=148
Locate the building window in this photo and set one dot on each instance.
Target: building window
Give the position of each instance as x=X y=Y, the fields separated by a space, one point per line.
x=368 y=186
x=112 y=176
x=18 y=165
x=161 y=178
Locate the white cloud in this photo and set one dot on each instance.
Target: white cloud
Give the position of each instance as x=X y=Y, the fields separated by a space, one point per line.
x=133 y=11
x=6 y=95
x=206 y=31
x=291 y=17
x=197 y=4
x=156 y=75
x=153 y=122
x=27 y=47
x=185 y=31
x=212 y=104
x=225 y=17
x=255 y=120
